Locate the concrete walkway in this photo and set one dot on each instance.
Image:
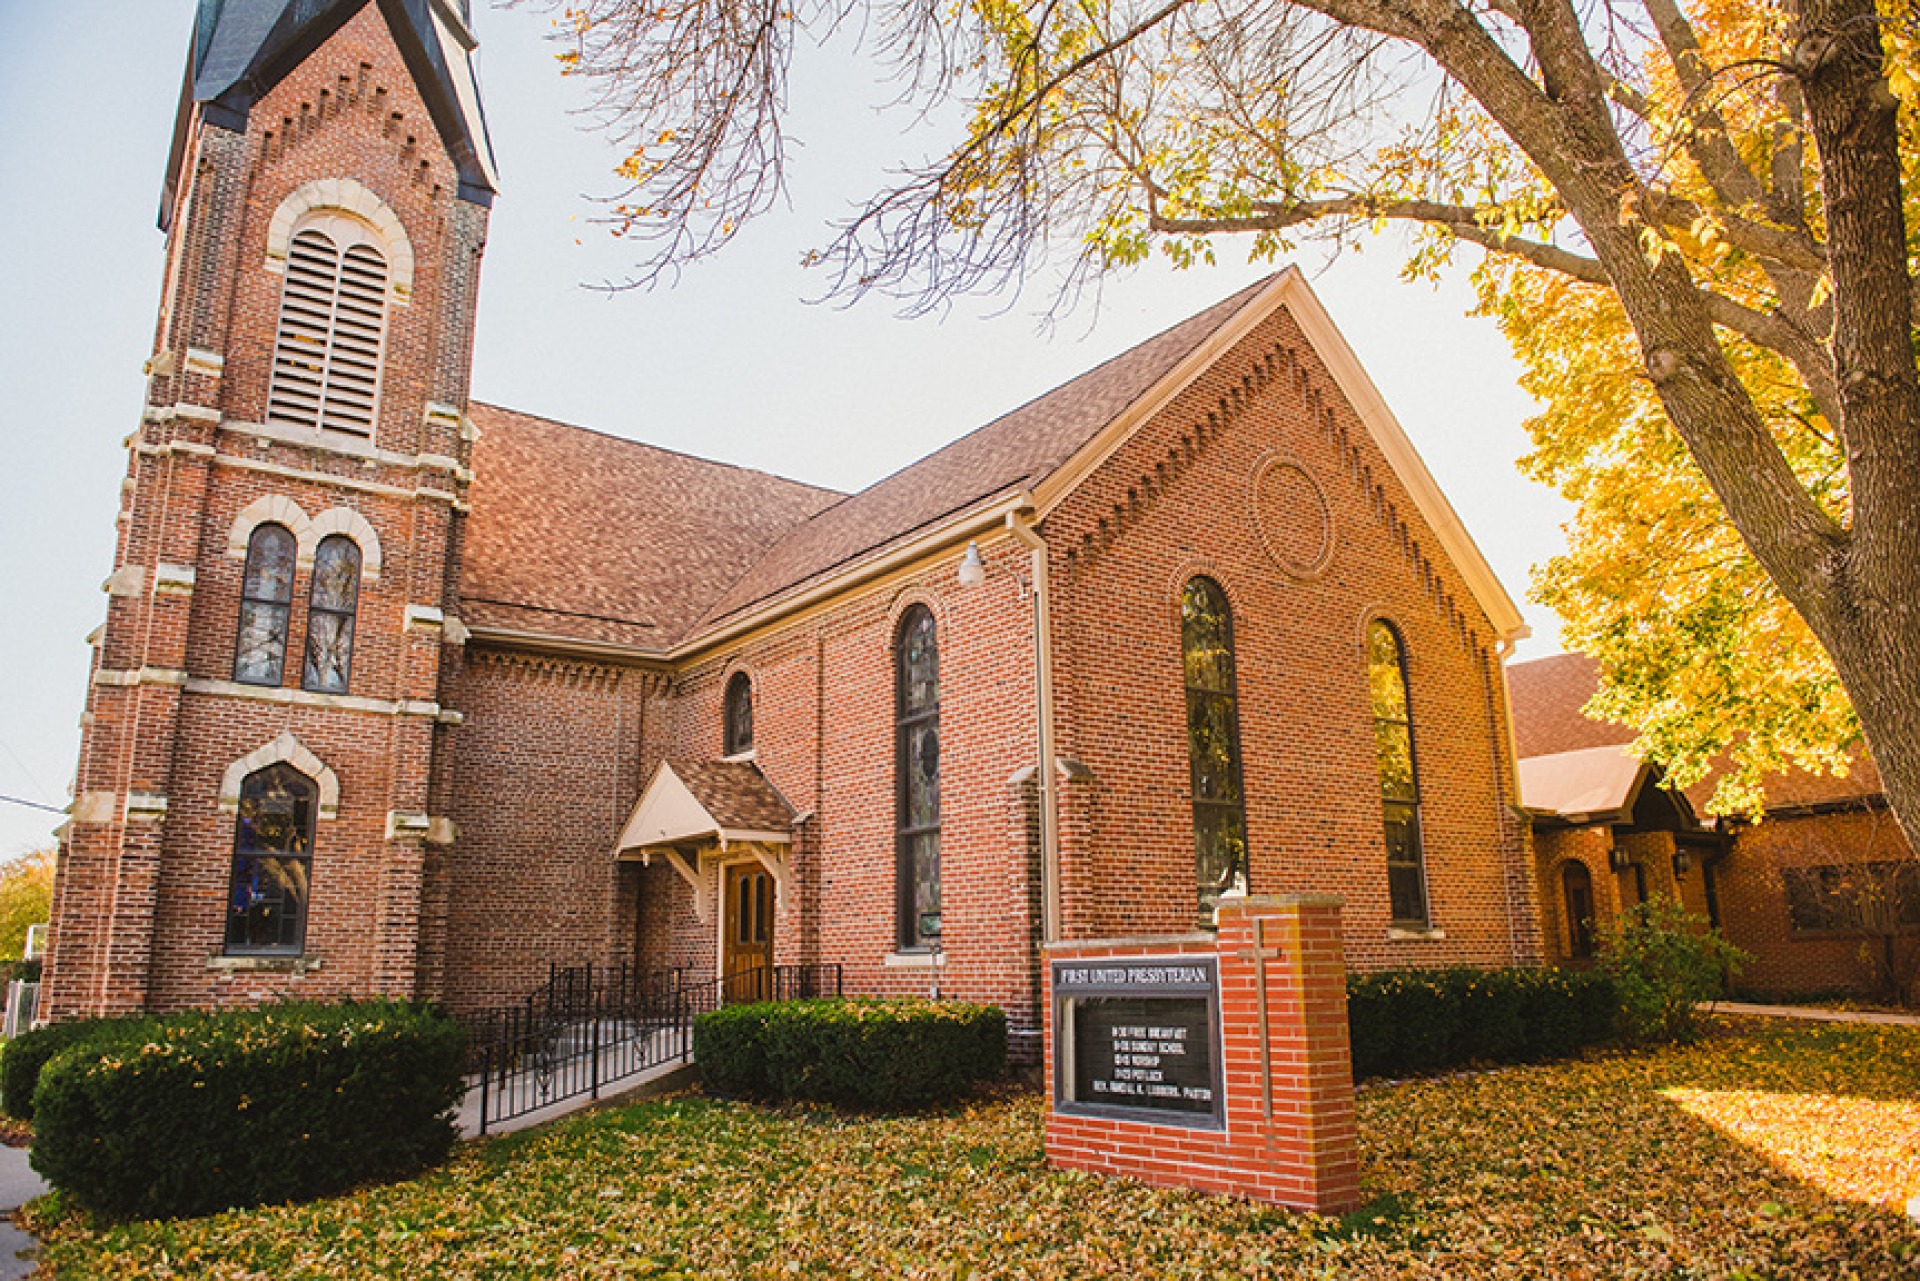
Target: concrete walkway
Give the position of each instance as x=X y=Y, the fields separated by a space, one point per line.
x=1811 y=1012
x=18 y=1185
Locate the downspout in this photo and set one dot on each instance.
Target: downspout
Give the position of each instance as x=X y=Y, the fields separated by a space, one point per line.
x=1020 y=524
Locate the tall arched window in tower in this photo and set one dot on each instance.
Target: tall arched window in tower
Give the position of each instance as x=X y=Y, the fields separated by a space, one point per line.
x=1213 y=741
x=739 y=715
x=333 y=315
x=272 y=863
x=266 y=605
x=330 y=612
x=1399 y=774
x=917 y=775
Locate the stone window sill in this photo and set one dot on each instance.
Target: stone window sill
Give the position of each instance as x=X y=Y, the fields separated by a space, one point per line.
x=1414 y=934
x=263 y=964
x=916 y=960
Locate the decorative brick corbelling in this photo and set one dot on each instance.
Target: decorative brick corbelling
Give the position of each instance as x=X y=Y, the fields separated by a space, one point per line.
x=283 y=749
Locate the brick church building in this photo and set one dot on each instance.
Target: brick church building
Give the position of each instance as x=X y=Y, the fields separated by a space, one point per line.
x=388 y=700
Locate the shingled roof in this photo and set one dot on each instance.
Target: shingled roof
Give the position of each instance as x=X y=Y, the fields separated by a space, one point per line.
x=591 y=537
x=1548 y=694
x=1011 y=453
x=580 y=536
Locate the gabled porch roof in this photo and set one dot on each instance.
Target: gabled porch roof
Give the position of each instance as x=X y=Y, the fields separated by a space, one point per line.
x=694 y=803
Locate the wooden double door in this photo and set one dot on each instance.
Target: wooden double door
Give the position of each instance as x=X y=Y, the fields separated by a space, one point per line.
x=746 y=933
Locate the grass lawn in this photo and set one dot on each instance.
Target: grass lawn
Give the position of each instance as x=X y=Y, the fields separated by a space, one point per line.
x=1783 y=1151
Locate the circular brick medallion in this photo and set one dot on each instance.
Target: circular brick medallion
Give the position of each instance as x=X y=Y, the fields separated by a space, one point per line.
x=1295 y=525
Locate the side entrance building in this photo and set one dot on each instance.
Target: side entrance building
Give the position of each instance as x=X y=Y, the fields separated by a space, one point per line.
x=406 y=695
x=1823 y=893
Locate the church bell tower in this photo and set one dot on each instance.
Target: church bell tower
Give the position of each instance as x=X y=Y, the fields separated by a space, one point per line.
x=252 y=815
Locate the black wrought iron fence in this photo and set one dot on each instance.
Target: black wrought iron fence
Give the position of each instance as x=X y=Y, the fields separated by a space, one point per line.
x=592 y=1027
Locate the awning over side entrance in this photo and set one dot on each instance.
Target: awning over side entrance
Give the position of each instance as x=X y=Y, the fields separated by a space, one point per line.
x=694 y=809
x=693 y=803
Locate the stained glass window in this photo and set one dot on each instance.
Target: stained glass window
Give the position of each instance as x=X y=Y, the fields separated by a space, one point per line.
x=330 y=611
x=272 y=862
x=1213 y=741
x=1399 y=780
x=266 y=603
x=917 y=771
x=739 y=714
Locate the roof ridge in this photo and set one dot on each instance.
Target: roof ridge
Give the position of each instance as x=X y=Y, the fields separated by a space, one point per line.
x=663 y=449
x=1228 y=309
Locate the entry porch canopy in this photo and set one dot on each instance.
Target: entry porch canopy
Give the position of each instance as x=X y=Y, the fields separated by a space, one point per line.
x=693 y=813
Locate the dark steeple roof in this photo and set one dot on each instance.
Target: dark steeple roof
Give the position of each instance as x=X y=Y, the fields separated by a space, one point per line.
x=243 y=48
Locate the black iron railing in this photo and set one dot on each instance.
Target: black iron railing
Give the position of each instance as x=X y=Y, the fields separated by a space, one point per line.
x=592 y=1027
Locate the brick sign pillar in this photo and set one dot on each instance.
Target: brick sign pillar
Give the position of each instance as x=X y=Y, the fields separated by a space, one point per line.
x=1217 y=1062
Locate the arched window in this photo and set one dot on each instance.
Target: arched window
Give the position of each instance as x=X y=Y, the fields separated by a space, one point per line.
x=272 y=861
x=1399 y=777
x=1213 y=741
x=739 y=714
x=917 y=777
x=1576 y=882
x=266 y=603
x=330 y=611
x=333 y=315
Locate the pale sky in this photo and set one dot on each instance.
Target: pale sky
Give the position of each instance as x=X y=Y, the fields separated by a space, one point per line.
x=730 y=363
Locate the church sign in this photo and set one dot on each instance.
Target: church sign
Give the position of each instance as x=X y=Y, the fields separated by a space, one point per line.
x=1138 y=1038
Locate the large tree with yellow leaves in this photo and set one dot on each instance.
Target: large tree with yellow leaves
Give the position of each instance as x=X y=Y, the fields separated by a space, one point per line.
x=1695 y=212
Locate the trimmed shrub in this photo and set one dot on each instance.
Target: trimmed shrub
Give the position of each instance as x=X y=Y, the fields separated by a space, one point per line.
x=853 y=1052
x=730 y=1045
x=26 y=1054
x=209 y=1112
x=1404 y=1022
x=1664 y=961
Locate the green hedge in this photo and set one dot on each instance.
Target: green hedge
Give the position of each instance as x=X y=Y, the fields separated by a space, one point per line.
x=858 y=1052
x=208 y=1112
x=1410 y=1021
x=26 y=1054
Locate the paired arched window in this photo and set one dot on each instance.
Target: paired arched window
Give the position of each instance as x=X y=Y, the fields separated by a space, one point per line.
x=1576 y=884
x=331 y=606
x=739 y=715
x=917 y=777
x=1213 y=740
x=266 y=606
x=266 y=610
x=333 y=315
x=272 y=863
x=1399 y=777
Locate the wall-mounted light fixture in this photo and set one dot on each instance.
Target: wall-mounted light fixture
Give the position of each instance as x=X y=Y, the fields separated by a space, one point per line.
x=1682 y=862
x=1618 y=859
x=973 y=570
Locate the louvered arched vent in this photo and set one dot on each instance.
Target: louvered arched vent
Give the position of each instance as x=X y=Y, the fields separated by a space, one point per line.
x=326 y=358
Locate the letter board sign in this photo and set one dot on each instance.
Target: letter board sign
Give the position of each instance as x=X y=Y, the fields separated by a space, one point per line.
x=1138 y=1038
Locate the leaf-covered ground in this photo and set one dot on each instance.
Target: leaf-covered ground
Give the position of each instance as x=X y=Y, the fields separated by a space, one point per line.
x=1781 y=1152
